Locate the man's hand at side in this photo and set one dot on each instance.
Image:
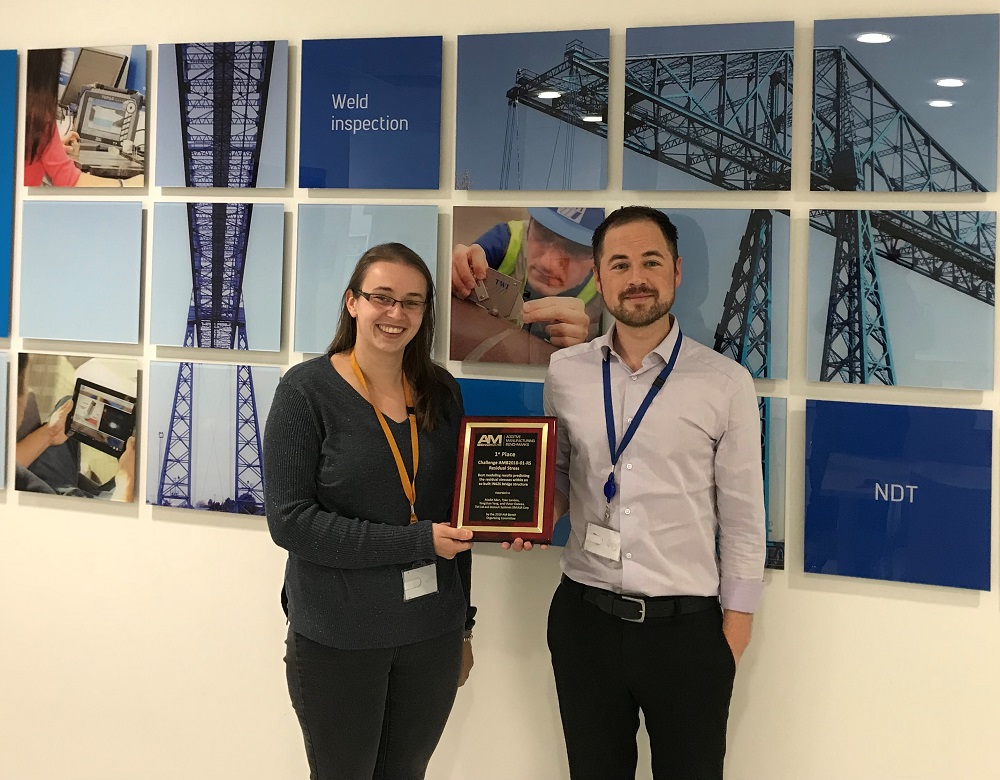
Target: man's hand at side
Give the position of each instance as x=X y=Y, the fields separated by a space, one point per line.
x=736 y=626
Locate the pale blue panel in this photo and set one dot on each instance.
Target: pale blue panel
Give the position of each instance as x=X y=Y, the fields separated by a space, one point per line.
x=330 y=240
x=80 y=270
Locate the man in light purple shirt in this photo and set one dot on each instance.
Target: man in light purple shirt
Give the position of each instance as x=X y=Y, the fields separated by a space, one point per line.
x=659 y=465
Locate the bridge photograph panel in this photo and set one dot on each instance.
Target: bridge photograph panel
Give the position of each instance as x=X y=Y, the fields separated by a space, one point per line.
x=217 y=268
x=773 y=434
x=902 y=298
x=708 y=107
x=206 y=424
x=532 y=111
x=905 y=104
x=222 y=114
x=735 y=279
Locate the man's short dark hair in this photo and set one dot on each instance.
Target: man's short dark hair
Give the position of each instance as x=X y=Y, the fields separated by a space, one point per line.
x=629 y=214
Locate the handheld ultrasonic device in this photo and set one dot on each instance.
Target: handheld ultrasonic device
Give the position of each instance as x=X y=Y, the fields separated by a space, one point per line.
x=108 y=115
x=102 y=418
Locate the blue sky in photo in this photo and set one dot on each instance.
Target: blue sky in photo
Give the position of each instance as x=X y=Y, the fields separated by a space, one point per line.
x=924 y=49
x=487 y=68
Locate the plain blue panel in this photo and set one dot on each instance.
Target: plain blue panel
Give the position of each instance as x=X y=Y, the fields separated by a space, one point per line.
x=497 y=397
x=8 y=122
x=80 y=268
x=395 y=84
x=899 y=493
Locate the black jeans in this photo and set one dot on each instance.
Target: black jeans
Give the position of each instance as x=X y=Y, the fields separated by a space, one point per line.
x=372 y=713
x=678 y=671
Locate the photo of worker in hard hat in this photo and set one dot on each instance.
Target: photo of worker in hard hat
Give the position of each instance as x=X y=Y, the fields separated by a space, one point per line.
x=522 y=282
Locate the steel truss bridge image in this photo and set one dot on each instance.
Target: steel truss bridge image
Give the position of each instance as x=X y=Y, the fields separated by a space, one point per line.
x=223 y=96
x=725 y=118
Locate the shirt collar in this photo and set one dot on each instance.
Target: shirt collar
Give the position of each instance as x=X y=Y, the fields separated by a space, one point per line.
x=661 y=350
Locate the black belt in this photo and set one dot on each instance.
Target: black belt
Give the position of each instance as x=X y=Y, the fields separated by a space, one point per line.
x=637 y=609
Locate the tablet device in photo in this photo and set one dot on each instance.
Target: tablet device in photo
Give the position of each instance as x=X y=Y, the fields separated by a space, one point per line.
x=101 y=418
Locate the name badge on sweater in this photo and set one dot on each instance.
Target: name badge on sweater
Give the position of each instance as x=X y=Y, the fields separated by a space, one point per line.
x=420 y=581
x=603 y=541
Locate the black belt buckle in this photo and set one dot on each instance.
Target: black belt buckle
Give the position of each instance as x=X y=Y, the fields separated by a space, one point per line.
x=642 y=609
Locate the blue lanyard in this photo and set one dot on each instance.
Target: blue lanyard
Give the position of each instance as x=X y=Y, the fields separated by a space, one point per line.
x=609 y=415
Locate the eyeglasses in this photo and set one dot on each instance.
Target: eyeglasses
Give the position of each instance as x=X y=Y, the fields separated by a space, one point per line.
x=387 y=302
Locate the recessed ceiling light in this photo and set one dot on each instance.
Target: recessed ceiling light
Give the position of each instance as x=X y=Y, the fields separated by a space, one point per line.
x=940 y=103
x=950 y=82
x=874 y=37
x=592 y=118
x=550 y=94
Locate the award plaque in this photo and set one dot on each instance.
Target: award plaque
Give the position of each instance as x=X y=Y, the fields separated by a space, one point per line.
x=505 y=479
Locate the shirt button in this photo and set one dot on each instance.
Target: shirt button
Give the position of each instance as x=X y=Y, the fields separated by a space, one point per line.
x=628 y=511
x=628 y=555
x=630 y=419
x=634 y=378
x=628 y=465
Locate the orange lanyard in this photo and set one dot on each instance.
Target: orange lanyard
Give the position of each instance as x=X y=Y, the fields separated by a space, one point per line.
x=409 y=485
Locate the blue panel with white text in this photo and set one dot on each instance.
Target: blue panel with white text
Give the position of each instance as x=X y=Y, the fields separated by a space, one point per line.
x=899 y=493
x=370 y=115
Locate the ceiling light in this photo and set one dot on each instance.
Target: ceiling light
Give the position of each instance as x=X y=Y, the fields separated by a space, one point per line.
x=950 y=82
x=592 y=118
x=940 y=103
x=549 y=94
x=874 y=37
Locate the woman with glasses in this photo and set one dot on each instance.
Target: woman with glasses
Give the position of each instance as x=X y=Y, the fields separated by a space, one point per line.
x=359 y=463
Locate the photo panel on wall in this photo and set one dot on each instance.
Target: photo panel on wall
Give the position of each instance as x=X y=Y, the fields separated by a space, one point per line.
x=906 y=104
x=217 y=275
x=80 y=270
x=222 y=114
x=370 y=113
x=734 y=295
x=331 y=240
x=77 y=419
x=902 y=298
x=708 y=107
x=206 y=425
x=85 y=117
x=522 y=282
x=533 y=111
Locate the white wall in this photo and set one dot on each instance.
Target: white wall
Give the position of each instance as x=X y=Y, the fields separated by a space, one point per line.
x=146 y=645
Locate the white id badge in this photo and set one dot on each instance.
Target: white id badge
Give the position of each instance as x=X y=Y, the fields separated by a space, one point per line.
x=604 y=542
x=420 y=581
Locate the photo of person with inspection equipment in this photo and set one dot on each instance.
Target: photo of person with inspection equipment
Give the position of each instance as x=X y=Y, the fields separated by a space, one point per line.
x=85 y=117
